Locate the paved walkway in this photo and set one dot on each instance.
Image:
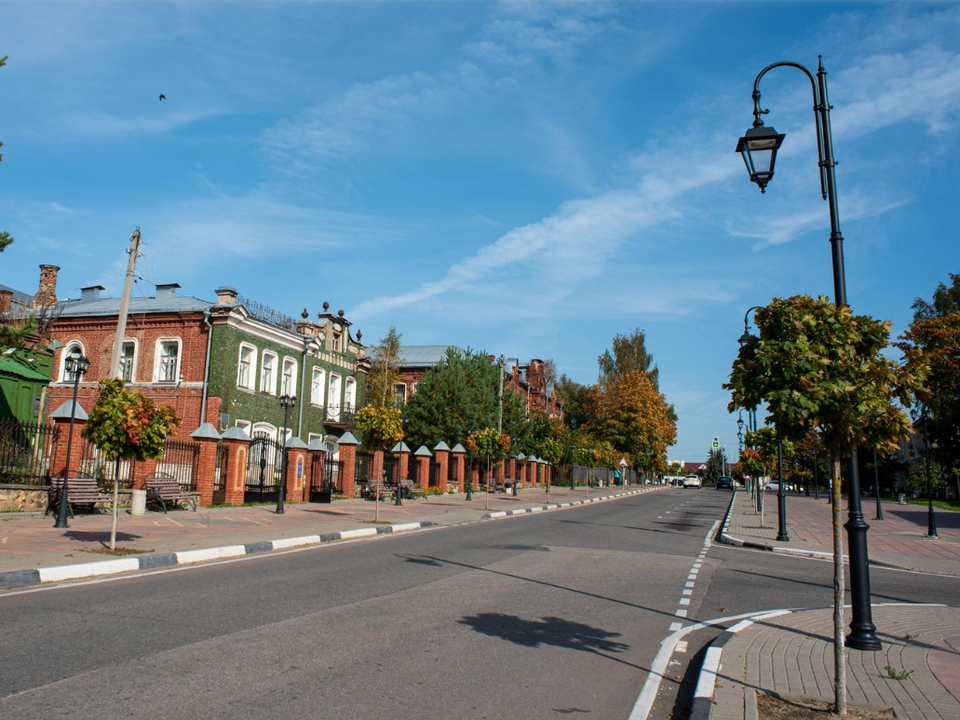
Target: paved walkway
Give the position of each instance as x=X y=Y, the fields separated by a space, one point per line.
x=899 y=540
x=29 y=540
x=792 y=654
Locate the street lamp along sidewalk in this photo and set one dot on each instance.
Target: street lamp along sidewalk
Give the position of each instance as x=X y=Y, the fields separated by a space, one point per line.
x=759 y=148
x=77 y=365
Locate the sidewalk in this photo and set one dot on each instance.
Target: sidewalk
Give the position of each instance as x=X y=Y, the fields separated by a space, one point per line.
x=898 y=540
x=791 y=655
x=28 y=541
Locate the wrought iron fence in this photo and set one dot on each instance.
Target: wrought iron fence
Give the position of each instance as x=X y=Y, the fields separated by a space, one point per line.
x=364 y=465
x=27 y=451
x=220 y=475
x=434 y=480
x=333 y=476
x=93 y=463
x=180 y=459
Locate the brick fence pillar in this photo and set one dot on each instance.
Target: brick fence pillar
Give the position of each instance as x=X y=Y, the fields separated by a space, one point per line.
x=139 y=472
x=237 y=443
x=422 y=458
x=207 y=437
x=296 y=456
x=456 y=457
x=348 y=456
x=442 y=453
x=61 y=416
x=404 y=463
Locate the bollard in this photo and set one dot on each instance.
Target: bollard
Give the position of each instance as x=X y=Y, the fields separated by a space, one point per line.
x=902 y=499
x=138 y=503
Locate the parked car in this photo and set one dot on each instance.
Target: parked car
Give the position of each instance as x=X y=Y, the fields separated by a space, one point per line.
x=725 y=483
x=692 y=481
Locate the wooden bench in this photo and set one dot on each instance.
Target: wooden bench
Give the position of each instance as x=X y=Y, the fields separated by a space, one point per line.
x=80 y=491
x=410 y=490
x=372 y=486
x=163 y=489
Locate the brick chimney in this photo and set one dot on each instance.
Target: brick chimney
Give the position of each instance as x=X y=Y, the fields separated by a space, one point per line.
x=226 y=295
x=47 y=293
x=6 y=298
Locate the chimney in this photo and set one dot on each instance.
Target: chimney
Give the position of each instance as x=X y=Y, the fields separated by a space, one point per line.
x=226 y=295
x=6 y=297
x=47 y=293
x=91 y=293
x=166 y=291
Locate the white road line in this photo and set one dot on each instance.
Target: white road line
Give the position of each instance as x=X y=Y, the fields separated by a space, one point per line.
x=681 y=613
x=685 y=601
x=674 y=626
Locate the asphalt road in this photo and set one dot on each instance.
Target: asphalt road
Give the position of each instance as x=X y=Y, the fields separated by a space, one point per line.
x=539 y=616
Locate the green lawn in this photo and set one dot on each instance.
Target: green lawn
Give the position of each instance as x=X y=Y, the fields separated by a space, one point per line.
x=941 y=504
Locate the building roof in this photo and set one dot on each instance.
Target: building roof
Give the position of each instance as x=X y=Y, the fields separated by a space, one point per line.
x=20 y=367
x=421 y=355
x=21 y=298
x=106 y=307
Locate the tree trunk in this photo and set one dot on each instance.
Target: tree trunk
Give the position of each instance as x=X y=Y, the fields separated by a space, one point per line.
x=116 y=493
x=840 y=670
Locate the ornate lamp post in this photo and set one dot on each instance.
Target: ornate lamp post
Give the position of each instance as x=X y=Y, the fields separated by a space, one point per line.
x=782 y=535
x=931 y=518
x=759 y=150
x=286 y=402
x=77 y=365
x=876 y=487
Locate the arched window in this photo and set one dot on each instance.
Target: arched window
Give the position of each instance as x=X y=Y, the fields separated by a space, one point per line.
x=350 y=395
x=166 y=367
x=317 y=386
x=268 y=373
x=71 y=348
x=288 y=384
x=246 y=366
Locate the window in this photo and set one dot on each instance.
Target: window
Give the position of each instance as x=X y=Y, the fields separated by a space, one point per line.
x=247 y=366
x=333 y=397
x=337 y=341
x=72 y=348
x=268 y=374
x=350 y=395
x=128 y=354
x=168 y=361
x=399 y=393
x=245 y=426
x=289 y=384
x=317 y=386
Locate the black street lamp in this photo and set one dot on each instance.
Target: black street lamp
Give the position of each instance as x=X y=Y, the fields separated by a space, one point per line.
x=77 y=365
x=469 y=478
x=816 y=479
x=876 y=487
x=931 y=518
x=398 y=491
x=286 y=402
x=782 y=535
x=759 y=149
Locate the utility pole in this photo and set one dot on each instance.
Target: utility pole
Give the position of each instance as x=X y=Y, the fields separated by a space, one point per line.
x=500 y=361
x=134 y=252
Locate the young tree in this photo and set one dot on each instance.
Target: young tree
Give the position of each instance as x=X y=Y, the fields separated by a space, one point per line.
x=382 y=427
x=933 y=342
x=488 y=444
x=383 y=375
x=126 y=425
x=819 y=368
x=629 y=353
x=5 y=238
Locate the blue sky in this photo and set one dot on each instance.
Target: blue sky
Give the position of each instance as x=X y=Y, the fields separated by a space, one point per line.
x=524 y=178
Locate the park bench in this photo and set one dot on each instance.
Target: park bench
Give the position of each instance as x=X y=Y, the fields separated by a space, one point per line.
x=163 y=489
x=80 y=491
x=372 y=486
x=410 y=490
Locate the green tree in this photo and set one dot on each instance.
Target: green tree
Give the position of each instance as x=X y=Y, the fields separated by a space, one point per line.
x=819 y=368
x=126 y=425
x=488 y=444
x=382 y=427
x=384 y=375
x=629 y=354
x=457 y=396
x=917 y=478
x=932 y=342
x=5 y=238
x=576 y=402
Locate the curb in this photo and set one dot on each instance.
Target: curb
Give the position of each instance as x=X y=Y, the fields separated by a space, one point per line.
x=557 y=506
x=702 y=706
x=43 y=576
x=737 y=542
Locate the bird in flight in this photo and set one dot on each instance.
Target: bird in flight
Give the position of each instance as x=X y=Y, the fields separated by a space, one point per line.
x=162 y=97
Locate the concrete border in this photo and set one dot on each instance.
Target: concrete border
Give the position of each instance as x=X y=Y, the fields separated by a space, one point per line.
x=572 y=503
x=737 y=542
x=45 y=576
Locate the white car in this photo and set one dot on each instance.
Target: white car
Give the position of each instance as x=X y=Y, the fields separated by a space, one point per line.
x=692 y=481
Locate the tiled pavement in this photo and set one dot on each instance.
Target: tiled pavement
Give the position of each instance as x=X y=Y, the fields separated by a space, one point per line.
x=792 y=654
x=899 y=539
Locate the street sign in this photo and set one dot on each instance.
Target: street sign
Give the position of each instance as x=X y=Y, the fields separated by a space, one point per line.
x=715 y=444
x=623 y=462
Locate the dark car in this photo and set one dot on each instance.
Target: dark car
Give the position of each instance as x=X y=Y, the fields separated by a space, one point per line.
x=724 y=483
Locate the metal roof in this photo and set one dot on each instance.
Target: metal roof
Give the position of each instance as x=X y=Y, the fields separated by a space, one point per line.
x=20 y=298
x=138 y=305
x=421 y=355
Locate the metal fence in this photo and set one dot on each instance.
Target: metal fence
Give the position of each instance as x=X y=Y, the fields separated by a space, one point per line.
x=27 y=451
x=93 y=463
x=220 y=476
x=180 y=460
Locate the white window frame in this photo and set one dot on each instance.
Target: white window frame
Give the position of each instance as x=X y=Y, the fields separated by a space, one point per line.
x=246 y=426
x=291 y=388
x=316 y=398
x=396 y=396
x=133 y=361
x=157 y=360
x=268 y=355
x=252 y=370
x=337 y=341
x=333 y=396
x=64 y=354
x=350 y=394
